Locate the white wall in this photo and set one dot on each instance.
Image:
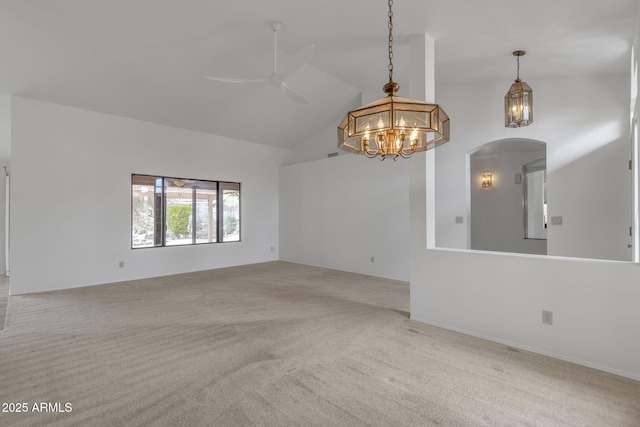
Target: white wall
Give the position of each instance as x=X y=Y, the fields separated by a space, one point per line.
x=339 y=212
x=318 y=146
x=5 y=127
x=634 y=107
x=499 y=296
x=5 y=160
x=324 y=142
x=71 y=196
x=496 y=218
x=584 y=122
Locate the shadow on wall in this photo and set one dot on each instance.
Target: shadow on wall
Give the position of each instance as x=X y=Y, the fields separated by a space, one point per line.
x=595 y=203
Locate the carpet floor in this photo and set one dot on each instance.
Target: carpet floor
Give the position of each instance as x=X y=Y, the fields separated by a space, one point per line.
x=4 y=297
x=277 y=344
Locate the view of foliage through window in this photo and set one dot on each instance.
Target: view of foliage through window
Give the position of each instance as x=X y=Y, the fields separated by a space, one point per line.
x=177 y=211
x=178 y=217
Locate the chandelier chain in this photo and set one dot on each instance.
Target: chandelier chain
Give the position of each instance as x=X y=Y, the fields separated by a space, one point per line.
x=518 y=68
x=390 y=41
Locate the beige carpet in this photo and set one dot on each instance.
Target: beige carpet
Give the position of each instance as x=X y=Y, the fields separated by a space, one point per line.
x=278 y=344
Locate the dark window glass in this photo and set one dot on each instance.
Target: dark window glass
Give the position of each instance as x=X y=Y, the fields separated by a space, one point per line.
x=177 y=211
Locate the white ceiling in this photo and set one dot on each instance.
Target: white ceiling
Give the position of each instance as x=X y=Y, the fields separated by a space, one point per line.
x=146 y=59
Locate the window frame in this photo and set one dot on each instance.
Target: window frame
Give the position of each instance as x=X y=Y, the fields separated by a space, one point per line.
x=160 y=210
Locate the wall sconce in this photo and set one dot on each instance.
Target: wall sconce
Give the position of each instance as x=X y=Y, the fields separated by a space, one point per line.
x=487 y=179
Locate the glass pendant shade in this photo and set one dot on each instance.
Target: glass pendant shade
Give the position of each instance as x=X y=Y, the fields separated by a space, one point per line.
x=392 y=127
x=518 y=102
x=518 y=105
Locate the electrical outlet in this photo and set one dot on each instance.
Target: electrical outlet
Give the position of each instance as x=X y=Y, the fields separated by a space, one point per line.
x=547 y=317
x=121 y=264
x=273 y=248
x=373 y=259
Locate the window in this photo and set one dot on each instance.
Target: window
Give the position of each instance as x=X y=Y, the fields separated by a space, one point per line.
x=177 y=211
x=230 y=209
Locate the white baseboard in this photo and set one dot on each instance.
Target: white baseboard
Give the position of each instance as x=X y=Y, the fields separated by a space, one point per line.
x=604 y=368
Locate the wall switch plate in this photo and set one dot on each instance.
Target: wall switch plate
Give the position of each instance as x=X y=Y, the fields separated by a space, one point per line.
x=273 y=248
x=556 y=220
x=547 y=317
x=373 y=259
x=459 y=220
x=518 y=178
x=121 y=264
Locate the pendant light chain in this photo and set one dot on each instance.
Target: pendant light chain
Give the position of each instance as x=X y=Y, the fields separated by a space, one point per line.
x=518 y=68
x=390 y=41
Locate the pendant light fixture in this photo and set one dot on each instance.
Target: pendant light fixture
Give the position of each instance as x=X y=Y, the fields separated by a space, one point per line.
x=518 y=102
x=393 y=126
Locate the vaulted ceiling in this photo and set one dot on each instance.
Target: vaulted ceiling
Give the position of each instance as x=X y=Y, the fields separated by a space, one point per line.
x=146 y=59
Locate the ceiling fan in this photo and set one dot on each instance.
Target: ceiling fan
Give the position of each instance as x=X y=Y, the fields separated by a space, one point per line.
x=277 y=79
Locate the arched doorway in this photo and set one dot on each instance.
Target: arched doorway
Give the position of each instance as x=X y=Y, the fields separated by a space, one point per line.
x=507 y=196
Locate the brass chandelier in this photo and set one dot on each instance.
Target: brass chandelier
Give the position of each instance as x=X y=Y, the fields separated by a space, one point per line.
x=393 y=126
x=518 y=102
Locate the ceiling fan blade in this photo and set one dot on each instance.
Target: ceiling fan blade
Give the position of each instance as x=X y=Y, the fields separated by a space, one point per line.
x=277 y=79
x=299 y=59
x=229 y=80
x=293 y=94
